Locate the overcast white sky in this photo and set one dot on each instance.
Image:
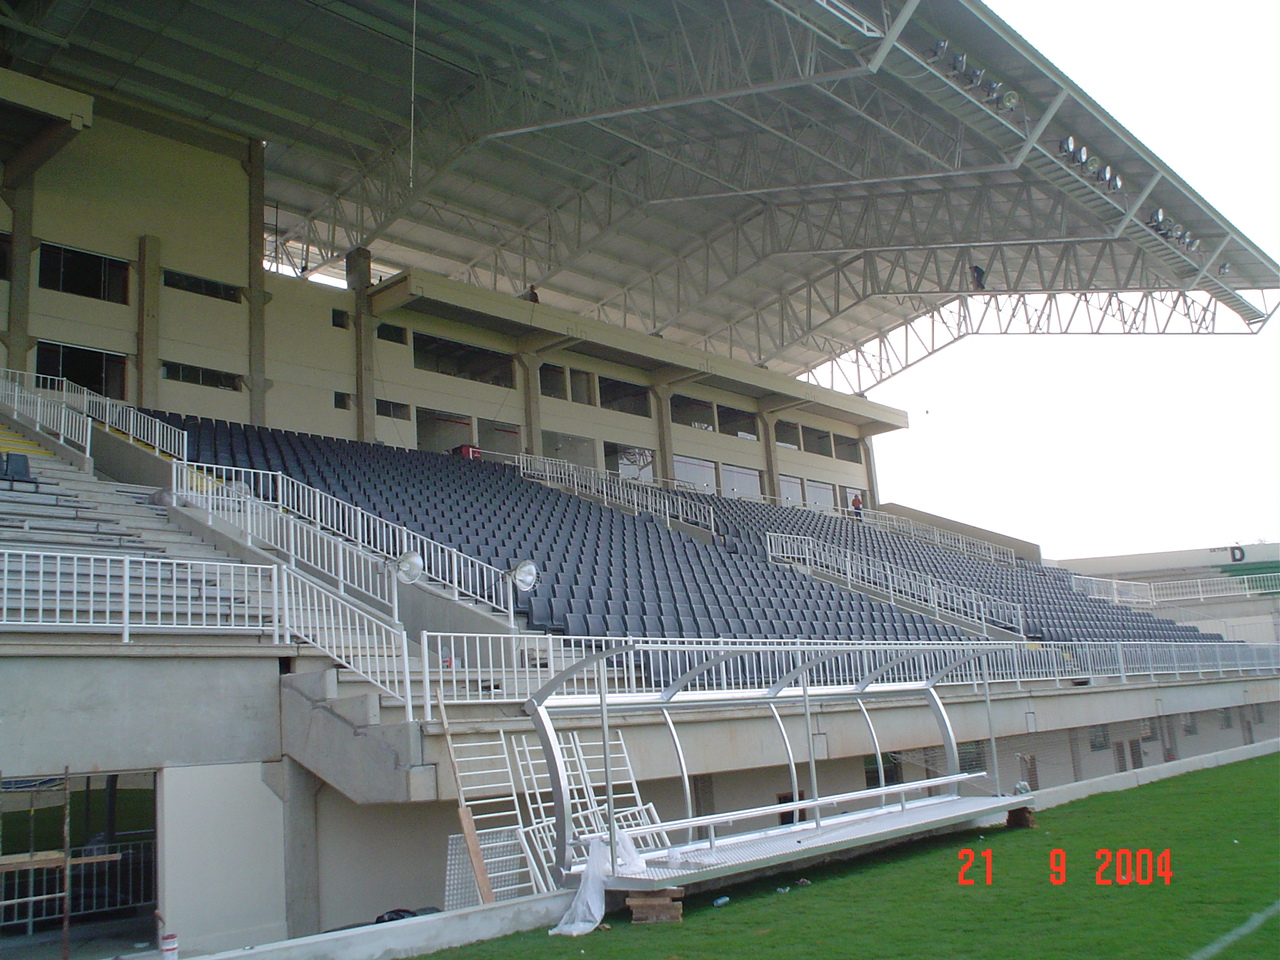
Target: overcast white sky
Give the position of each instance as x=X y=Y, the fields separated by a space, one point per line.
x=1093 y=446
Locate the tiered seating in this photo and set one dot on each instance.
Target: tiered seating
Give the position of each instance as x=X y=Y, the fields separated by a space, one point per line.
x=1053 y=609
x=604 y=573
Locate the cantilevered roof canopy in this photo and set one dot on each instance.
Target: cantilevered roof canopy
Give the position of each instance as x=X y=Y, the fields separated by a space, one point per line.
x=780 y=181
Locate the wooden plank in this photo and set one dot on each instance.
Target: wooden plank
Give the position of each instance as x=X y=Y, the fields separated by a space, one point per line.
x=469 y=836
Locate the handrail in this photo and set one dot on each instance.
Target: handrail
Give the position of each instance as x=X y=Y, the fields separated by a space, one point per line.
x=129 y=594
x=613 y=488
x=966 y=545
x=53 y=416
x=899 y=583
x=114 y=414
x=367 y=542
x=1144 y=593
x=506 y=668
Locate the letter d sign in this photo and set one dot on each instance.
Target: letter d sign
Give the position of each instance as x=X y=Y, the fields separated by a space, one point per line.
x=1237 y=554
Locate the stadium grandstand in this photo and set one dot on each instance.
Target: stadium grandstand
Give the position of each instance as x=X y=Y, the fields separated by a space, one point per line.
x=436 y=447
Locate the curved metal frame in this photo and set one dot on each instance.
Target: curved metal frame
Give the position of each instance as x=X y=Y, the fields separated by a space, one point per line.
x=537 y=707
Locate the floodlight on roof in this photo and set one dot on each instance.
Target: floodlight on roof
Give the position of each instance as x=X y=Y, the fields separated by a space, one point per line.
x=939 y=51
x=1093 y=164
x=1009 y=100
x=1224 y=269
x=1156 y=218
x=992 y=89
x=1116 y=182
x=1194 y=245
x=1081 y=155
x=974 y=77
x=1103 y=172
x=1067 y=146
x=959 y=62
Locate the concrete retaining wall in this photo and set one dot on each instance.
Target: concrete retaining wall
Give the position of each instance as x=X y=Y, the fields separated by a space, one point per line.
x=418 y=935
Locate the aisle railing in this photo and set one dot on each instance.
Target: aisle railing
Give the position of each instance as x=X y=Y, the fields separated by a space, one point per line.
x=52 y=415
x=939 y=597
x=1142 y=593
x=340 y=541
x=614 y=489
x=114 y=414
x=126 y=595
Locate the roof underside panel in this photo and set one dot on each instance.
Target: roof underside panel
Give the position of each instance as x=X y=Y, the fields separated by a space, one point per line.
x=782 y=181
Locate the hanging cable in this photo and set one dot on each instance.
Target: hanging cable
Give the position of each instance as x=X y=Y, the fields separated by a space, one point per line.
x=413 y=87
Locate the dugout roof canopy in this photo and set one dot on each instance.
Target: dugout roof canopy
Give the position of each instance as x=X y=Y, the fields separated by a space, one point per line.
x=783 y=182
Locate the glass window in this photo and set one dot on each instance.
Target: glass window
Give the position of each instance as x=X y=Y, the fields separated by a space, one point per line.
x=739 y=481
x=202 y=376
x=630 y=463
x=846 y=448
x=83 y=274
x=6 y=251
x=92 y=369
x=786 y=435
x=462 y=360
x=699 y=474
x=565 y=446
x=817 y=441
x=497 y=436
x=737 y=423
x=392 y=333
x=551 y=381
x=892 y=770
x=341 y=401
x=393 y=409
x=693 y=413
x=1227 y=722
x=623 y=397
x=821 y=495
x=1189 y=725
x=202 y=285
x=340 y=319
x=580 y=390
x=790 y=489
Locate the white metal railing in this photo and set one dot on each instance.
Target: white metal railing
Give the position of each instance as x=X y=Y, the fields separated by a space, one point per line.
x=340 y=541
x=614 y=489
x=125 y=880
x=969 y=546
x=1140 y=593
x=51 y=415
x=113 y=414
x=899 y=583
x=491 y=668
x=126 y=595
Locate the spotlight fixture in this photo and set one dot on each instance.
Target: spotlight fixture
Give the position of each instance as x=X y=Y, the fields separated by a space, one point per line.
x=524 y=575
x=974 y=77
x=959 y=62
x=939 y=51
x=1009 y=100
x=1081 y=155
x=1156 y=218
x=1067 y=146
x=1177 y=232
x=1103 y=172
x=991 y=89
x=1224 y=269
x=1116 y=182
x=1093 y=164
x=1194 y=245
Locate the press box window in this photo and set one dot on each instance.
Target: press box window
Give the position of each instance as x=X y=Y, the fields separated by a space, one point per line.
x=551 y=381
x=737 y=423
x=786 y=435
x=580 y=387
x=341 y=401
x=6 y=248
x=392 y=333
x=340 y=319
x=202 y=285
x=392 y=409
x=693 y=413
x=624 y=397
x=201 y=376
x=461 y=360
x=817 y=441
x=83 y=274
x=846 y=448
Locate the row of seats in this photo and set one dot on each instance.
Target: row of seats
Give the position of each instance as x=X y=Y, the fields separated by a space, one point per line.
x=1054 y=610
x=605 y=572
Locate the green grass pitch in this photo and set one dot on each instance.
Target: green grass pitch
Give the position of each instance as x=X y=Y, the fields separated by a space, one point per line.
x=1221 y=826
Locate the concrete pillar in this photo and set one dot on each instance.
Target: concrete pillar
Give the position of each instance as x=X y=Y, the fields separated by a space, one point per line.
x=873 y=487
x=298 y=790
x=359 y=279
x=530 y=367
x=772 y=487
x=148 y=362
x=256 y=289
x=16 y=336
x=665 y=464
